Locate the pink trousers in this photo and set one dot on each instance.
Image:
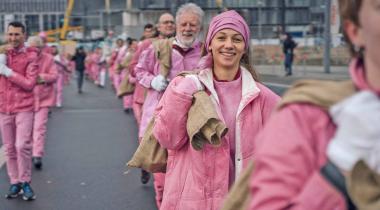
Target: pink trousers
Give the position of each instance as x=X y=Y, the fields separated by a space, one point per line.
x=159 y=181
x=16 y=133
x=127 y=101
x=39 y=131
x=59 y=89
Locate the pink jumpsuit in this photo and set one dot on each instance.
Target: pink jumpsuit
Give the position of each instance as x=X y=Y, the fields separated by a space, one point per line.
x=44 y=97
x=16 y=112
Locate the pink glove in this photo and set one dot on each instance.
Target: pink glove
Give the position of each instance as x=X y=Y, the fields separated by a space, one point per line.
x=188 y=85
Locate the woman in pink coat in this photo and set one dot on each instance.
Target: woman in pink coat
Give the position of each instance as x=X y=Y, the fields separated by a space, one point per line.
x=44 y=98
x=303 y=147
x=201 y=179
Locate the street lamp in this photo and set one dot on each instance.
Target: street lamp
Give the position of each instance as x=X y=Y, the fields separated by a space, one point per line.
x=108 y=10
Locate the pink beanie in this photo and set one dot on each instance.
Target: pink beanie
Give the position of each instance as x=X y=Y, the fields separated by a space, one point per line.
x=231 y=20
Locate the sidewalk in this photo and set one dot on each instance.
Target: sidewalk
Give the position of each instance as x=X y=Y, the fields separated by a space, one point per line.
x=276 y=73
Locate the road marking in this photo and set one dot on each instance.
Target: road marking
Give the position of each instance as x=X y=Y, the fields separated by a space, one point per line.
x=277 y=85
x=2 y=157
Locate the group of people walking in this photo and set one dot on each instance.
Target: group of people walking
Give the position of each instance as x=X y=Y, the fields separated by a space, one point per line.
x=303 y=147
x=31 y=80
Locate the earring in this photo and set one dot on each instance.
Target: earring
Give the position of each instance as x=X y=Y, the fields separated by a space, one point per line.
x=358 y=49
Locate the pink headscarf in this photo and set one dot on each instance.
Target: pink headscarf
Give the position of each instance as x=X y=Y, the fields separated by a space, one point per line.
x=231 y=20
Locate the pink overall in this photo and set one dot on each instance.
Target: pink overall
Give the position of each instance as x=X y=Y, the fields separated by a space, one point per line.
x=201 y=179
x=291 y=151
x=44 y=97
x=16 y=112
x=146 y=69
x=94 y=66
x=62 y=65
x=139 y=93
x=127 y=99
x=116 y=77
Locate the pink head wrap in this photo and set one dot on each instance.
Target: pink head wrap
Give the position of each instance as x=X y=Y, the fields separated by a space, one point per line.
x=230 y=19
x=42 y=35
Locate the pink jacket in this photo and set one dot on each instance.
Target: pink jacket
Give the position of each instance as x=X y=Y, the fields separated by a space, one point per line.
x=148 y=67
x=45 y=93
x=200 y=179
x=16 y=91
x=291 y=151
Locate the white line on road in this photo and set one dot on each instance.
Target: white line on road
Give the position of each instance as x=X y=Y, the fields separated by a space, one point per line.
x=277 y=85
x=2 y=157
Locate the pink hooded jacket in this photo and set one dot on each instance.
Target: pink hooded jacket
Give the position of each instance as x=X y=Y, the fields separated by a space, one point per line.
x=291 y=151
x=47 y=70
x=200 y=179
x=148 y=67
x=16 y=91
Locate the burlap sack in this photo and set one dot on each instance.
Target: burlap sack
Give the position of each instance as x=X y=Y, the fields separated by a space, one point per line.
x=238 y=197
x=320 y=93
x=203 y=124
x=363 y=185
x=149 y=156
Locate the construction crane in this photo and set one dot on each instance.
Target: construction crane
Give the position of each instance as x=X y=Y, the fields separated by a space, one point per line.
x=66 y=20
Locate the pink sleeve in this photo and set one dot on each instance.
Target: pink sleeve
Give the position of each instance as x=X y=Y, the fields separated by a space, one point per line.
x=28 y=81
x=269 y=102
x=287 y=164
x=145 y=67
x=52 y=74
x=171 y=115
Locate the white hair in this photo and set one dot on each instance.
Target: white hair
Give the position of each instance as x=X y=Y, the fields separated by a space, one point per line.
x=190 y=8
x=35 y=41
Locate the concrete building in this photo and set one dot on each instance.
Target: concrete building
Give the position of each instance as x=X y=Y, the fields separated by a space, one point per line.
x=266 y=18
x=38 y=15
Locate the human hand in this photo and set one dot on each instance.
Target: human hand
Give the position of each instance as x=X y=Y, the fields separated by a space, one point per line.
x=5 y=71
x=3 y=58
x=189 y=85
x=159 y=83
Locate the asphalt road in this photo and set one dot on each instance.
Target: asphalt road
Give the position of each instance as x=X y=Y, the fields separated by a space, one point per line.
x=89 y=141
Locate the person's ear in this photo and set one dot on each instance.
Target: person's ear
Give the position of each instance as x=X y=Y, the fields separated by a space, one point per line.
x=354 y=34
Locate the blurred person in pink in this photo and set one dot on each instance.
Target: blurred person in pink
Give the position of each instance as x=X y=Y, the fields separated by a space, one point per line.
x=64 y=70
x=44 y=98
x=305 y=151
x=117 y=67
x=132 y=46
x=111 y=61
x=17 y=79
x=185 y=54
x=45 y=48
x=165 y=29
x=201 y=179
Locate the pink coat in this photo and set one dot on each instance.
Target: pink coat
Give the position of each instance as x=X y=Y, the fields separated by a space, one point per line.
x=16 y=91
x=200 y=179
x=45 y=93
x=148 y=67
x=291 y=151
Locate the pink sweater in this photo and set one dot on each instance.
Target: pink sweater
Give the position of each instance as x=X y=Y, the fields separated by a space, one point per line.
x=229 y=104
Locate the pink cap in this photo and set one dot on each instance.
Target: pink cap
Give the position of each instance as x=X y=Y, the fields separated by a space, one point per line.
x=231 y=20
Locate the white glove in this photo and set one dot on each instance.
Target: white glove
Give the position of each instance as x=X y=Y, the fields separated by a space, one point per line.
x=3 y=59
x=159 y=83
x=358 y=133
x=5 y=71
